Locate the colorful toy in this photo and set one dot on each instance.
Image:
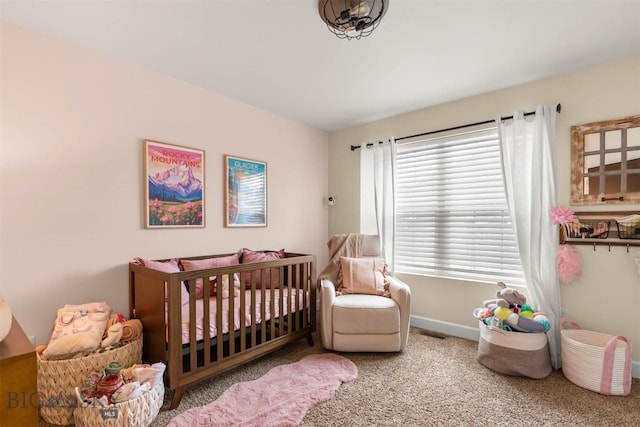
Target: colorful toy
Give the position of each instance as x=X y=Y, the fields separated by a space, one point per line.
x=509 y=311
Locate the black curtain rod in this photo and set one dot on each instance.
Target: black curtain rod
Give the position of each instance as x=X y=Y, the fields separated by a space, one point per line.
x=485 y=122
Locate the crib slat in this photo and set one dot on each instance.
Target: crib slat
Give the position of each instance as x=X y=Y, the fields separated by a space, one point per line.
x=192 y=326
x=295 y=303
x=219 y=334
x=263 y=305
x=272 y=305
x=243 y=314
x=206 y=320
x=305 y=294
x=230 y=320
x=253 y=310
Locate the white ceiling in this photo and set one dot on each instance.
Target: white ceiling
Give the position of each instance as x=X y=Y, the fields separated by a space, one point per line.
x=279 y=56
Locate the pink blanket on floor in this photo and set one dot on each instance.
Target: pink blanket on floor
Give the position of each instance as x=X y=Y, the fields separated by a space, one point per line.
x=281 y=397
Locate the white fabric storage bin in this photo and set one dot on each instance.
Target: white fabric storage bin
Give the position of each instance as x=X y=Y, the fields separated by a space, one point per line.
x=138 y=412
x=514 y=353
x=596 y=361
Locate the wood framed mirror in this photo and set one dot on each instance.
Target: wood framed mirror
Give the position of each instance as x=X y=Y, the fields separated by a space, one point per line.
x=605 y=162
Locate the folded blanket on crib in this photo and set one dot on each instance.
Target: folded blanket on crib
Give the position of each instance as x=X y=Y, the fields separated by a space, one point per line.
x=78 y=330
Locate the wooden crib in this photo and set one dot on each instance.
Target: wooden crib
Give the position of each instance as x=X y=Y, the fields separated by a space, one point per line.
x=259 y=317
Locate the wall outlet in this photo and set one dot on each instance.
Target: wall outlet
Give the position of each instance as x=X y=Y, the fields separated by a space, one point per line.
x=564 y=312
x=32 y=339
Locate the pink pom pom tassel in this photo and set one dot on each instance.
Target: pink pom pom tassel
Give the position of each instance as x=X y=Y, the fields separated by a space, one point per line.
x=568 y=262
x=561 y=215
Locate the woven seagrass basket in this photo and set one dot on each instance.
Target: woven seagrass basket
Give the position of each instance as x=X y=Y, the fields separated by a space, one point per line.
x=57 y=379
x=138 y=412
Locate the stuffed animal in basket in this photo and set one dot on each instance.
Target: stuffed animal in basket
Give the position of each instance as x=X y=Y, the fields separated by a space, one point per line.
x=510 y=311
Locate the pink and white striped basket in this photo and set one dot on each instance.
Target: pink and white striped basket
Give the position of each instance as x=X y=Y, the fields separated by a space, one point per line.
x=596 y=361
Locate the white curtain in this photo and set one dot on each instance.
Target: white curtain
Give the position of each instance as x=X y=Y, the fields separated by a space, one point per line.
x=377 y=204
x=527 y=147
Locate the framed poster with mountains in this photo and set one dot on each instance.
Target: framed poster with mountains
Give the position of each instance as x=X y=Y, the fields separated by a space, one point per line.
x=173 y=186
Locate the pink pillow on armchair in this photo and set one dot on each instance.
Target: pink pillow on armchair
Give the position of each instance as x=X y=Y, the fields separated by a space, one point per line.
x=249 y=256
x=364 y=276
x=204 y=264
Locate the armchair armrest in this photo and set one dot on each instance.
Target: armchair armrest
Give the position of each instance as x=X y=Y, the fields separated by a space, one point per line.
x=327 y=299
x=401 y=294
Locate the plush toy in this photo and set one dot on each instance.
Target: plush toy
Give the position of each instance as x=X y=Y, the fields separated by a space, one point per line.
x=114 y=333
x=510 y=311
x=507 y=298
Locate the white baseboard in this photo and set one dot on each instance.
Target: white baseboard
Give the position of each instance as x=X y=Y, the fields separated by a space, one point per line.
x=473 y=334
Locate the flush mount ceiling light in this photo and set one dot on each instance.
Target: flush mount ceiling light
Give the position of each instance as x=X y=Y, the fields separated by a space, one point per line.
x=352 y=19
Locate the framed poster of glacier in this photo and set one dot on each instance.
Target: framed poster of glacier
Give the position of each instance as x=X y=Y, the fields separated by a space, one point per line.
x=173 y=186
x=245 y=192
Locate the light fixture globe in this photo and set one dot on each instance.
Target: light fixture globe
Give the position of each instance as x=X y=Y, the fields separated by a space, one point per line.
x=352 y=19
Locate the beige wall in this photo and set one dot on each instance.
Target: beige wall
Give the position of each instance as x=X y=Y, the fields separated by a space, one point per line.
x=71 y=187
x=607 y=295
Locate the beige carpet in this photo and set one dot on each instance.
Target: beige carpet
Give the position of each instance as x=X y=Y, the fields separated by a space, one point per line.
x=434 y=382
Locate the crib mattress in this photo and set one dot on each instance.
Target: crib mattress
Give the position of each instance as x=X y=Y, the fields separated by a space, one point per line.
x=261 y=298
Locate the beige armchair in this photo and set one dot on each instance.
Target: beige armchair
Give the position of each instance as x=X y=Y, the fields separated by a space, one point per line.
x=359 y=322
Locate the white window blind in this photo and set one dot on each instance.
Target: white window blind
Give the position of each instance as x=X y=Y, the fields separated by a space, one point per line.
x=452 y=218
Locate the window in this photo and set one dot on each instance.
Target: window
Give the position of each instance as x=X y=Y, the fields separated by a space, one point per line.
x=452 y=217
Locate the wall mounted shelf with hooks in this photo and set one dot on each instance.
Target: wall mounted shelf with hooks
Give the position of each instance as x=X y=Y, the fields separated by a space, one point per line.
x=602 y=229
